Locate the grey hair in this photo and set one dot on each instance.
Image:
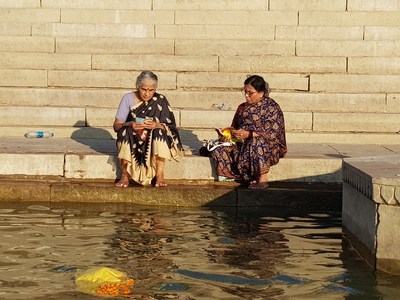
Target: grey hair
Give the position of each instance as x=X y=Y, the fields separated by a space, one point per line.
x=146 y=76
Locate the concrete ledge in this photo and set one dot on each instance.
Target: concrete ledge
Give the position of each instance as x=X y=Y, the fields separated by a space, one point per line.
x=370 y=209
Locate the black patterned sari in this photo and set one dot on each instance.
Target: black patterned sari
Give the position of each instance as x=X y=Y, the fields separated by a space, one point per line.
x=254 y=157
x=139 y=148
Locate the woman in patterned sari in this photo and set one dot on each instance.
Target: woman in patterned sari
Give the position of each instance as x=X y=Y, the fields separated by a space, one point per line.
x=146 y=134
x=259 y=125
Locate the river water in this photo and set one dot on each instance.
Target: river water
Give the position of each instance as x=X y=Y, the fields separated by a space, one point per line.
x=196 y=253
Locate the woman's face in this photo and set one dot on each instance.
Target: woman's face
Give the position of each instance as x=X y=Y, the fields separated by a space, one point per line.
x=147 y=90
x=252 y=96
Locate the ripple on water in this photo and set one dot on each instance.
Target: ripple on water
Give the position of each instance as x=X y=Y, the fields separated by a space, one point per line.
x=186 y=254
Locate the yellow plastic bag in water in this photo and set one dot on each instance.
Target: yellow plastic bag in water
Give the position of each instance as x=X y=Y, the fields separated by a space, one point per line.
x=92 y=279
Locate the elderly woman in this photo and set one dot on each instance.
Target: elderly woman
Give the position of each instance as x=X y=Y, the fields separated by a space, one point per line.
x=259 y=127
x=146 y=134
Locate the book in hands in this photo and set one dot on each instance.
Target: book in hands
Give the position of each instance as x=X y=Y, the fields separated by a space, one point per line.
x=226 y=132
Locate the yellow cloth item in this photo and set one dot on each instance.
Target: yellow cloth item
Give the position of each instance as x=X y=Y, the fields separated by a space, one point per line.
x=90 y=280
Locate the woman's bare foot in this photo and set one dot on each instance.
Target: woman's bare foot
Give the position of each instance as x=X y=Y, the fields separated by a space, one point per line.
x=252 y=183
x=160 y=182
x=123 y=182
x=259 y=186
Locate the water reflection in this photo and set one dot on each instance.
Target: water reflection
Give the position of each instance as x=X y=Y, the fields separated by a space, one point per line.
x=183 y=254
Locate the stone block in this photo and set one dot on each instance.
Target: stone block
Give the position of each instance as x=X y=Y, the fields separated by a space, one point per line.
x=116 y=16
x=22 y=190
x=29 y=15
x=20 y=4
x=93 y=30
x=200 y=99
x=175 y=195
x=61 y=97
x=354 y=83
x=373 y=5
x=104 y=117
x=210 y=5
x=98 y=4
x=61 y=132
x=331 y=102
x=306 y=170
x=32 y=164
x=45 y=61
x=393 y=103
x=42 y=116
x=191 y=118
x=282 y=64
x=341 y=33
x=235 y=80
x=299 y=5
x=292 y=198
x=358 y=122
x=234 y=47
x=106 y=79
x=97 y=117
x=359 y=216
x=102 y=166
x=382 y=33
x=298 y=120
x=348 y=48
x=195 y=118
x=14 y=29
x=374 y=65
x=346 y=18
x=26 y=44
x=236 y=18
x=387 y=257
x=346 y=138
x=370 y=209
x=113 y=45
x=156 y=62
x=190 y=168
x=289 y=101
x=23 y=78
x=214 y=32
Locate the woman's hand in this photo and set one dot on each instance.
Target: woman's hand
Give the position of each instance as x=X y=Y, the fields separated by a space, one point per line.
x=241 y=134
x=149 y=124
x=137 y=125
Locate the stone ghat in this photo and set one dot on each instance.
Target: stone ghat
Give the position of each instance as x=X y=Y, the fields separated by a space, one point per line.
x=371 y=208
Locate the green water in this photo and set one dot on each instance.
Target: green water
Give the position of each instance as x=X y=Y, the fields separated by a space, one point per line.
x=171 y=253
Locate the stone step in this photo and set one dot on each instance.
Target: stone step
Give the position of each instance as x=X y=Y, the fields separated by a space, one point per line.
x=293 y=101
x=301 y=196
x=200 y=134
x=194 y=118
x=90 y=159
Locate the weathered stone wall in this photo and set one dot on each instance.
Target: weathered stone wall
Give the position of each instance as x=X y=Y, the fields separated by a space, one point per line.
x=333 y=65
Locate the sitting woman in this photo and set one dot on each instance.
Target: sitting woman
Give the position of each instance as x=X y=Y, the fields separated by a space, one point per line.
x=259 y=128
x=146 y=134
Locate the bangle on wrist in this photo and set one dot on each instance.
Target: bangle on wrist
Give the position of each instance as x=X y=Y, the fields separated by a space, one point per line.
x=250 y=134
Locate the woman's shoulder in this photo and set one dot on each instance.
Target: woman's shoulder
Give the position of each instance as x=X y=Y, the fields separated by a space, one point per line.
x=128 y=98
x=271 y=101
x=160 y=98
x=129 y=95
